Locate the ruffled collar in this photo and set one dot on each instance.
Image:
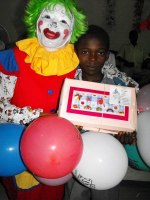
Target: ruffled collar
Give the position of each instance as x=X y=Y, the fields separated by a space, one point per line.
x=48 y=63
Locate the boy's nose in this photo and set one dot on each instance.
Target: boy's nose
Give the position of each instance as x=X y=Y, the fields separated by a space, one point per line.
x=93 y=56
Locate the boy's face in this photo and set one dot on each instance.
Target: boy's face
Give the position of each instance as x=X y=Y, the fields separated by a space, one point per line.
x=92 y=55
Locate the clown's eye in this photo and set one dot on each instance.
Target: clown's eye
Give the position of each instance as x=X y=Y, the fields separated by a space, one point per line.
x=47 y=17
x=63 y=21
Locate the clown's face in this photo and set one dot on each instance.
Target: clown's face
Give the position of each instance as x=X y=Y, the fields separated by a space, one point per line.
x=54 y=27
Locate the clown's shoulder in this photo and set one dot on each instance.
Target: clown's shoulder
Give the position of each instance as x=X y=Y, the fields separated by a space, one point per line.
x=9 y=61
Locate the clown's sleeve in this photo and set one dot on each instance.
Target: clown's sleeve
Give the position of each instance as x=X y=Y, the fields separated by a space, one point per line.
x=8 y=77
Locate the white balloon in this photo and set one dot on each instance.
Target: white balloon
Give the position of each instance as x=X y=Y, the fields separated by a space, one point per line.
x=143 y=98
x=104 y=161
x=143 y=136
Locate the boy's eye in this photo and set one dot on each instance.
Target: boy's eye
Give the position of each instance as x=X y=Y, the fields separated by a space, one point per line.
x=101 y=53
x=85 y=52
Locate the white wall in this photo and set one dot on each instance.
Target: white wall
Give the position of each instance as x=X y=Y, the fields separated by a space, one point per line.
x=12 y=11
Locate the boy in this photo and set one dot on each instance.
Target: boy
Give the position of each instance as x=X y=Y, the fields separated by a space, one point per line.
x=92 y=49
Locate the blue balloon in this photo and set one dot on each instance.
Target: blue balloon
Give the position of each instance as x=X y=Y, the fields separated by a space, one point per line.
x=10 y=158
x=135 y=160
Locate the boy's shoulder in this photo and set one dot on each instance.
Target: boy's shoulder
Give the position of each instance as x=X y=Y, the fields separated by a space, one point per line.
x=118 y=77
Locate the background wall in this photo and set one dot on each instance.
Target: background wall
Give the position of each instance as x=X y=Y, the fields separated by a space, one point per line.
x=12 y=12
x=97 y=11
x=11 y=15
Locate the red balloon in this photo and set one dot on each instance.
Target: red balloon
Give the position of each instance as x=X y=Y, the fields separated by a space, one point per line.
x=51 y=147
x=54 y=182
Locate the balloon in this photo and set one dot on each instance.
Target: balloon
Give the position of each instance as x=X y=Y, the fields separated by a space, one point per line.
x=143 y=136
x=103 y=163
x=10 y=160
x=135 y=160
x=143 y=99
x=54 y=182
x=51 y=147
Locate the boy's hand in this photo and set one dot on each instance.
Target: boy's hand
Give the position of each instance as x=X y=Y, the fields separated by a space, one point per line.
x=126 y=137
x=47 y=114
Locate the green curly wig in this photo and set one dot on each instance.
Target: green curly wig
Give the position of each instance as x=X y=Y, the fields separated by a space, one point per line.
x=35 y=7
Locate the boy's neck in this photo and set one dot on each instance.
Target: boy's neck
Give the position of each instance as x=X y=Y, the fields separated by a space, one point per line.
x=93 y=78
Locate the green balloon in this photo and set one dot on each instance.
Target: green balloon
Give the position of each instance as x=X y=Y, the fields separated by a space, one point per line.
x=135 y=160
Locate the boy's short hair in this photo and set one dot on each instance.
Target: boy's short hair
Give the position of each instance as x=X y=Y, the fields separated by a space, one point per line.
x=97 y=32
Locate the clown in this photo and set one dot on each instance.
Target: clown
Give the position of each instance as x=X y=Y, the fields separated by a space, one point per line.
x=32 y=74
x=42 y=61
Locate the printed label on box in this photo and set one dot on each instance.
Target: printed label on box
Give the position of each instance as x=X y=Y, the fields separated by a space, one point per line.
x=119 y=96
x=99 y=103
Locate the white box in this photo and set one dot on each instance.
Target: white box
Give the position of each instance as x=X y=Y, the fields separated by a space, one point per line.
x=98 y=107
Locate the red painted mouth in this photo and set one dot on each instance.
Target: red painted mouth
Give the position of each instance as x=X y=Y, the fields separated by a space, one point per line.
x=50 y=34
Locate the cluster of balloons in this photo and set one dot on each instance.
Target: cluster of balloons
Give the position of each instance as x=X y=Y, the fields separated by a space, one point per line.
x=53 y=150
x=50 y=148
x=139 y=156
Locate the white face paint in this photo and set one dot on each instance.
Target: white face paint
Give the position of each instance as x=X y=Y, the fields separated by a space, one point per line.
x=54 y=28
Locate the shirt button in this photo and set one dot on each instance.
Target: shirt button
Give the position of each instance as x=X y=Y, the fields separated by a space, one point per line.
x=50 y=91
x=53 y=110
